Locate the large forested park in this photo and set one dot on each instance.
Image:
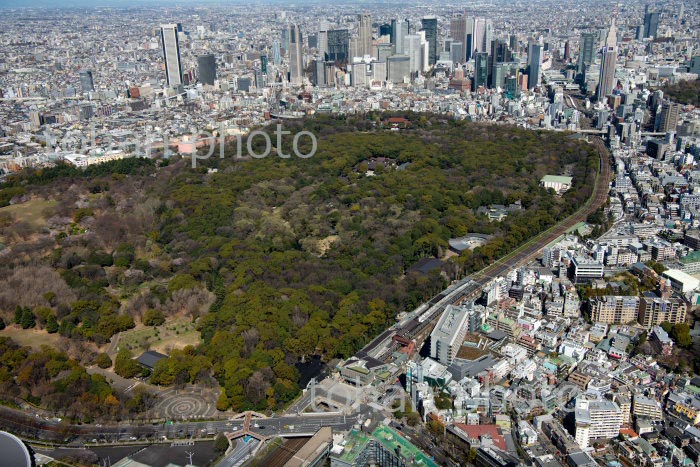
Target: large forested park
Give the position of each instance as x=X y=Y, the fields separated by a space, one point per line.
x=265 y=261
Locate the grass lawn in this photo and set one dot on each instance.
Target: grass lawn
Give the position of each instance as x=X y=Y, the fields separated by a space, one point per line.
x=32 y=211
x=174 y=334
x=33 y=338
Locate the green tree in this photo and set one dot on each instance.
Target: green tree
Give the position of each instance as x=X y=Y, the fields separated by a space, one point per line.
x=52 y=324
x=28 y=319
x=125 y=366
x=681 y=335
x=153 y=317
x=221 y=443
x=103 y=361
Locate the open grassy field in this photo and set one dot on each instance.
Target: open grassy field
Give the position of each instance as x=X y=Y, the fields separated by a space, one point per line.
x=31 y=212
x=174 y=334
x=33 y=338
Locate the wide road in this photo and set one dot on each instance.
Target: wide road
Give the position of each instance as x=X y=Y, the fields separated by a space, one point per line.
x=60 y=433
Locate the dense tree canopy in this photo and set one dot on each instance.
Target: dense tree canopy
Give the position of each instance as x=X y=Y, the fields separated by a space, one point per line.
x=278 y=259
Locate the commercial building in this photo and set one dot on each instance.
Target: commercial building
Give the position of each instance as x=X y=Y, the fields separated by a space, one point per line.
x=668 y=117
x=430 y=26
x=315 y=451
x=584 y=269
x=338 y=45
x=171 y=53
x=86 y=82
x=364 y=35
x=606 y=83
x=534 y=65
x=385 y=447
x=448 y=335
x=206 y=66
x=296 y=64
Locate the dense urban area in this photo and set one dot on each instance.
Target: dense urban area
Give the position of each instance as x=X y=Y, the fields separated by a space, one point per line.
x=390 y=234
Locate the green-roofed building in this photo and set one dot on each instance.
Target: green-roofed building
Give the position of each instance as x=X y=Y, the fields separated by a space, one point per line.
x=691 y=263
x=384 y=448
x=559 y=183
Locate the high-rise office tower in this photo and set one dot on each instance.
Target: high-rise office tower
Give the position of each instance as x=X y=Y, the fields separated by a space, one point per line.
x=586 y=52
x=606 y=82
x=296 y=66
x=412 y=48
x=457 y=54
x=385 y=30
x=458 y=32
x=86 y=82
x=513 y=43
x=488 y=35
x=384 y=51
x=430 y=26
x=651 y=22
x=478 y=35
x=668 y=117
x=481 y=70
x=364 y=35
x=276 y=53
x=338 y=45
x=263 y=64
x=285 y=39
x=318 y=73
x=398 y=68
x=500 y=53
x=322 y=43
x=206 y=67
x=469 y=42
x=399 y=30
x=534 y=64
x=171 y=54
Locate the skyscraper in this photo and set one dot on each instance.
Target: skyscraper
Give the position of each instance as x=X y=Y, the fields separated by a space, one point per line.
x=430 y=26
x=668 y=117
x=586 y=51
x=500 y=53
x=481 y=70
x=338 y=45
x=458 y=32
x=296 y=66
x=457 y=54
x=276 y=53
x=651 y=22
x=606 y=82
x=398 y=68
x=86 y=82
x=171 y=54
x=364 y=35
x=399 y=30
x=385 y=30
x=206 y=66
x=482 y=32
x=412 y=48
x=534 y=63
